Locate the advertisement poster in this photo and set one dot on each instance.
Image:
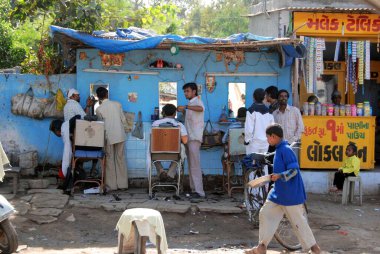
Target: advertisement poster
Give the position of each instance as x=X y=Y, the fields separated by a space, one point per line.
x=325 y=139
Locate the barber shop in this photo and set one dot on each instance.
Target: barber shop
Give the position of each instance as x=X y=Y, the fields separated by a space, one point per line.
x=155 y=82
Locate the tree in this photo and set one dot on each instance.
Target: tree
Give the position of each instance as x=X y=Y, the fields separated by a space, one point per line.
x=220 y=19
x=10 y=56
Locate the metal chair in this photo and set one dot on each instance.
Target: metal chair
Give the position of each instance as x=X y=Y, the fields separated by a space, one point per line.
x=235 y=152
x=88 y=144
x=165 y=146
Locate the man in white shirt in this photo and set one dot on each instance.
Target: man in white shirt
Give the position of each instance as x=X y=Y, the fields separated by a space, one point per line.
x=194 y=123
x=115 y=123
x=72 y=106
x=169 y=112
x=257 y=120
x=289 y=118
x=71 y=109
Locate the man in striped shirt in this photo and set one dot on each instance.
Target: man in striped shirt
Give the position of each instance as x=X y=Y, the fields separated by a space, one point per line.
x=289 y=118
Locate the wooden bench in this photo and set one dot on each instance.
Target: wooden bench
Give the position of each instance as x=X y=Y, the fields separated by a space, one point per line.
x=13 y=172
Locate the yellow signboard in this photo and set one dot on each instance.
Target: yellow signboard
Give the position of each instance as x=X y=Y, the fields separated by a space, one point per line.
x=336 y=24
x=325 y=139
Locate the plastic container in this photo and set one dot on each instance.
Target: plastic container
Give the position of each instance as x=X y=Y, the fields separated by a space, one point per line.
x=359 y=109
x=342 y=110
x=348 y=110
x=367 y=108
x=324 y=110
x=330 y=110
x=353 y=110
x=305 y=108
x=336 y=110
x=318 y=109
x=311 y=108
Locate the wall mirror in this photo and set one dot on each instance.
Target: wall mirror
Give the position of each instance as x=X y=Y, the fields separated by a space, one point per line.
x=236 y=97
x=93 y=88
x=167 y=94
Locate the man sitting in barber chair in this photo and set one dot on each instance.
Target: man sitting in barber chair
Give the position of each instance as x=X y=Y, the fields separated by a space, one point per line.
x=60 y=128
x=240 y=120
x=168 y=120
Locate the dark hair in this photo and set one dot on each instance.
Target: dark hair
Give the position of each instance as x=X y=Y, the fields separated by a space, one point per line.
x=353 y=146
x=282 y=91
x=272 y=92
x=101 y=92
x=259 y=95
x=275 y=129
x=192 y=86
x=55 y=125
x=242 y=112
x=312 y=98
x=168 y=110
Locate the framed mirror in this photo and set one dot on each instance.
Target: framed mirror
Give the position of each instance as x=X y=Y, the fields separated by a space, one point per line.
x=167 y=92
x=236 y=97
x=93 y=88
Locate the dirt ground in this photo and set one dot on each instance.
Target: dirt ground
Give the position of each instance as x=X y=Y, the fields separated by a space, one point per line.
x=93 y=230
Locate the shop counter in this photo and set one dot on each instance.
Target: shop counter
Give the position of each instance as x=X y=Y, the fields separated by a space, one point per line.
x=325 y=139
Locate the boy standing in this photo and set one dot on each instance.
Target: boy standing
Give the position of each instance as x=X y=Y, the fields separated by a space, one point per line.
x=286 y=197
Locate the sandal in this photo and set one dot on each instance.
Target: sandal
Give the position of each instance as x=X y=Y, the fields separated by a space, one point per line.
x=254 y=250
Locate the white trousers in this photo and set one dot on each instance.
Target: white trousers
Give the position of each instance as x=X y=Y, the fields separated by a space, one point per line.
x=67 y=148
x=193 y=150
x=270 y=216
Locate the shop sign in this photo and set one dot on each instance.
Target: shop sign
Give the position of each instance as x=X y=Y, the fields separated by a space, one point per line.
x=336 y=24
x=325 y=139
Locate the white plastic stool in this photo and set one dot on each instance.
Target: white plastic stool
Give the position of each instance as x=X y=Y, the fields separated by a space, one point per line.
x=138 y=224
x=349 y=190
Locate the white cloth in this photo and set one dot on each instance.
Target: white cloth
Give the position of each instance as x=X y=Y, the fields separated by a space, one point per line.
x=67 y=148
x=174 y=122
x=149 y=223
x=3 y=161
x=270 y=216
x=194 y=121
x=71 y=92
x=71 y=109
x=254 y=131
x=112 y=114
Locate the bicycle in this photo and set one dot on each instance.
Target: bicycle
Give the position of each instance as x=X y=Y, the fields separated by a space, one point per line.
x=255 y=199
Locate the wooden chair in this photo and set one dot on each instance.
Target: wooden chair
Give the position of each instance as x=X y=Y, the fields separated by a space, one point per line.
x=88 y=144
x=235 y=152
x=165 y=146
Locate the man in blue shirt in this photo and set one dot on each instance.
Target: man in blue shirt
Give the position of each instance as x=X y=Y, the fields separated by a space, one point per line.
x=286 y=197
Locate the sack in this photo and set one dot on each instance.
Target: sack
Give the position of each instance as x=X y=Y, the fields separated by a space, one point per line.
x=212 y=137
x=138 y=132
x=60 y=100
x=27 y=105
x=129 y=117
x=36 y=109
x=51 y=109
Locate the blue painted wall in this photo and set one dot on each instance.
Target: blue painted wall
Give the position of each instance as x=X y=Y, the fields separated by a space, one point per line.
x=20 y=133
x=195 y=64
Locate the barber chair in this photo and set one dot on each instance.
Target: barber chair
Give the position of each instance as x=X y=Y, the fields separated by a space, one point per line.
x=165 y=146
x=88 y=144
x=235 y=153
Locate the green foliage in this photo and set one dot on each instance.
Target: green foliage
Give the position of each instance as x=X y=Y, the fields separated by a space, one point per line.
x=31 y=20
x=10 y=56
x=220 y=19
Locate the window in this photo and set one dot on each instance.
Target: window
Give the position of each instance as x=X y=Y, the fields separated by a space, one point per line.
x=93 y=88
x=236 y=98
x=167 y=94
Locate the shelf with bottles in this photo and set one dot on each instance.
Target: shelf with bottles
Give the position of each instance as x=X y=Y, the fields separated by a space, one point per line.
x=160 y=64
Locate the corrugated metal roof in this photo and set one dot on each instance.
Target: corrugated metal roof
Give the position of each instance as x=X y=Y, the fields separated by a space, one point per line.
x=326 y=9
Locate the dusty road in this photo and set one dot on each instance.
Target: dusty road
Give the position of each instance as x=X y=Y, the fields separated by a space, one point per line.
x=93 y=230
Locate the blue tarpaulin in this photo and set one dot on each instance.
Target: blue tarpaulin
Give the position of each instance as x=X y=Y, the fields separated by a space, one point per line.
x=124 y=40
